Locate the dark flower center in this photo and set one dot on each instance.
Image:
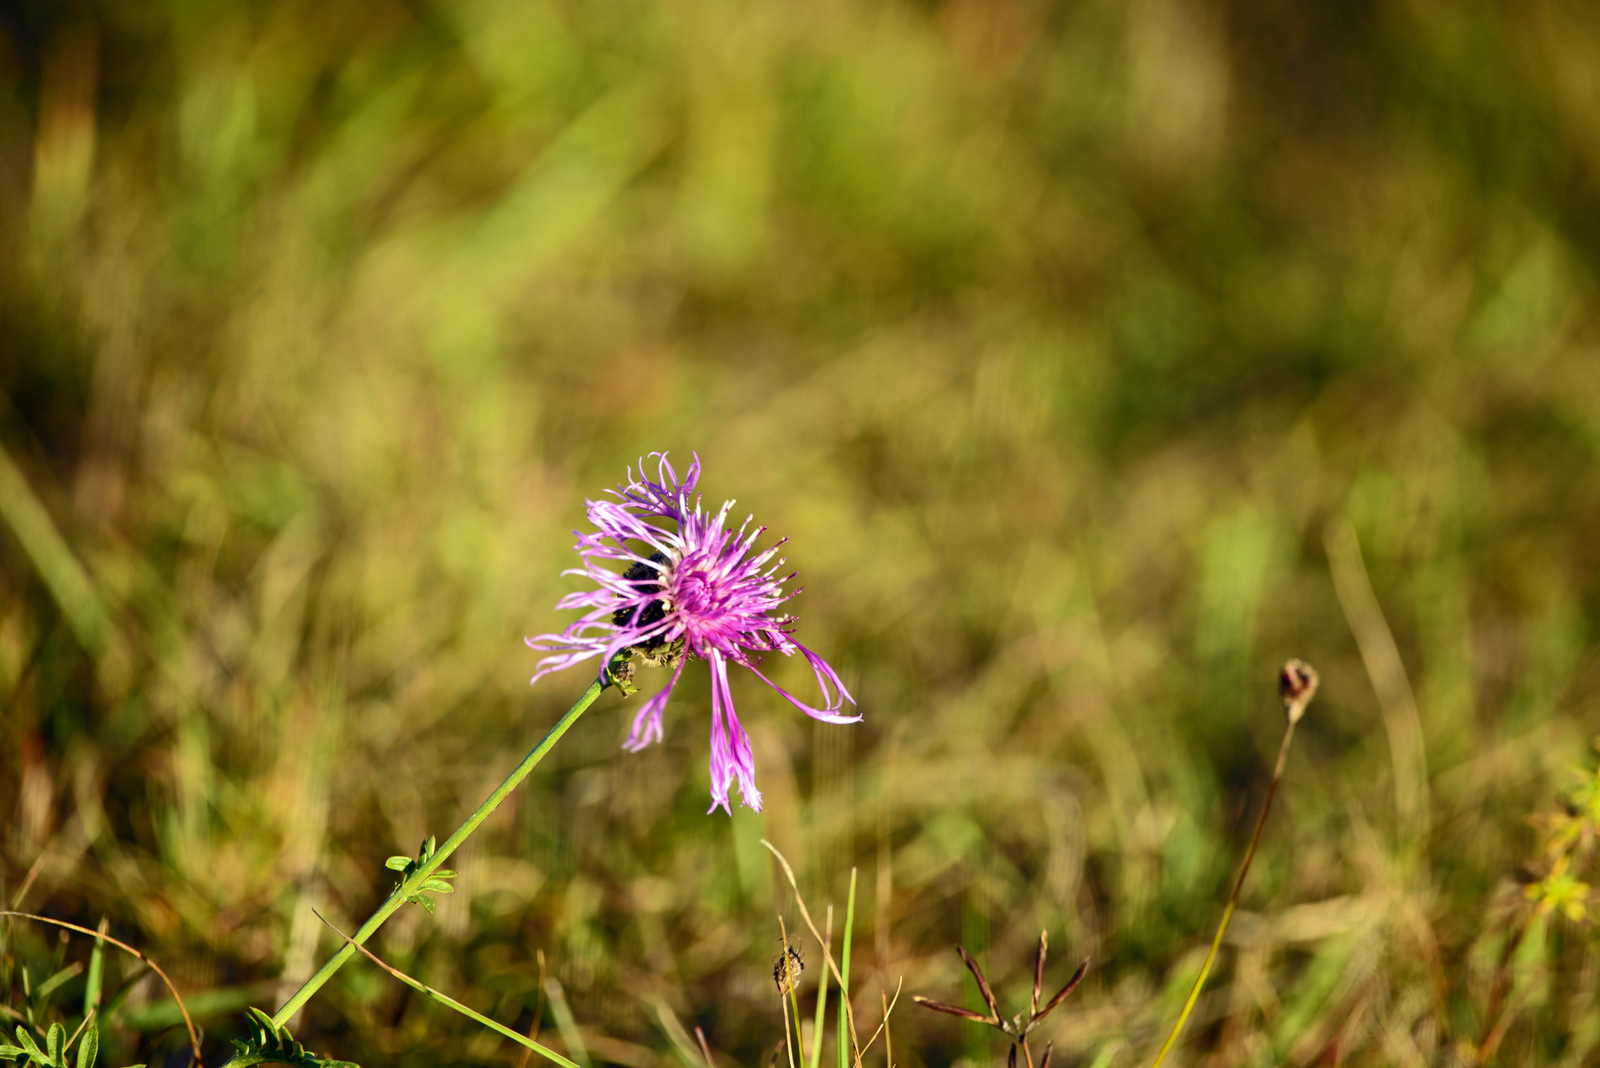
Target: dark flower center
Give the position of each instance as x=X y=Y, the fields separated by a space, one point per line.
x=646 y=578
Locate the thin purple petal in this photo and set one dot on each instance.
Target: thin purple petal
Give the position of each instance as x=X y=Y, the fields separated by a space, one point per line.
x=647 y=724
x=815 y=713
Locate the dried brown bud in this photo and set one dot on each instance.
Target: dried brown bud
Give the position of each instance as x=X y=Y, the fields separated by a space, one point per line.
x=1297 y=684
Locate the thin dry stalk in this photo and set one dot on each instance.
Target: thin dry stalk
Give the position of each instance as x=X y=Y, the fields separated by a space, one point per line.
x=1297 y=684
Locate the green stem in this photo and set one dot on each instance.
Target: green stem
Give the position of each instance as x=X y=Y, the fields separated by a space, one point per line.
x=847 y=1036
x=799 y=1042
x=1233 y=898
x=822 y=998
x=425 y=872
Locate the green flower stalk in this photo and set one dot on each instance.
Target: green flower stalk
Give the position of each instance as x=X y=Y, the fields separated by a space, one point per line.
x=424 y=876
x=702 y=592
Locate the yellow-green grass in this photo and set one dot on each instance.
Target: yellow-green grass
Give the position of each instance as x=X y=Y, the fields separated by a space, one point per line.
x=1096 y=358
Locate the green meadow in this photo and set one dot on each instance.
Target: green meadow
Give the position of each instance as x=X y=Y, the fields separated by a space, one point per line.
x=1095 y=359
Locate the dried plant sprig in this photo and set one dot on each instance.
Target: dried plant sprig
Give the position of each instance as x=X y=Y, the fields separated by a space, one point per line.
x=983 y=985
x=1297 y=685
x=1018 y=1027
x=1061 y=995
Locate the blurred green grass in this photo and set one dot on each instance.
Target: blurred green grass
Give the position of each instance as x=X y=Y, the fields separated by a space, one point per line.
x=1063 y=340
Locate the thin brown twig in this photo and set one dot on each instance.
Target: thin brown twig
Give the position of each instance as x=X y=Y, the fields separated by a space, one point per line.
x=705 y=1048
x=188 y=1022
x=27 y=880
x=538 y=1015
x=87 y=1019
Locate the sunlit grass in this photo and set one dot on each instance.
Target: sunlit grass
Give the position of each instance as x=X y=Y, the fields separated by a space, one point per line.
x=1096 y=359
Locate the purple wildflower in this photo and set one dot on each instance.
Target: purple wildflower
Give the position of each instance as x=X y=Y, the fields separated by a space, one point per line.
x=697 y=592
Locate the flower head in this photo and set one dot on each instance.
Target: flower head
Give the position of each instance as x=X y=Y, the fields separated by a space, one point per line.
x=697 y=592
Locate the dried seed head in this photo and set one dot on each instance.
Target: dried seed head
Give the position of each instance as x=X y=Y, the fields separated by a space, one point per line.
x=787 y=968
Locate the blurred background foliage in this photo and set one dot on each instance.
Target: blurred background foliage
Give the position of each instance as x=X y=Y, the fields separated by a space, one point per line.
x=1096 y=356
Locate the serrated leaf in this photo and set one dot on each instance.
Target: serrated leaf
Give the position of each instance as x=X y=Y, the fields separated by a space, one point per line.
x=397 y=863
x=89 y=1047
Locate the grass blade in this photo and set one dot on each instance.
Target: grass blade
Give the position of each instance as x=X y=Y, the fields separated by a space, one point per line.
x=844 y=974
x=500 y=1029
x=97 y=965
x=63 y=575
x=565 y=1022
x=822 y=999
